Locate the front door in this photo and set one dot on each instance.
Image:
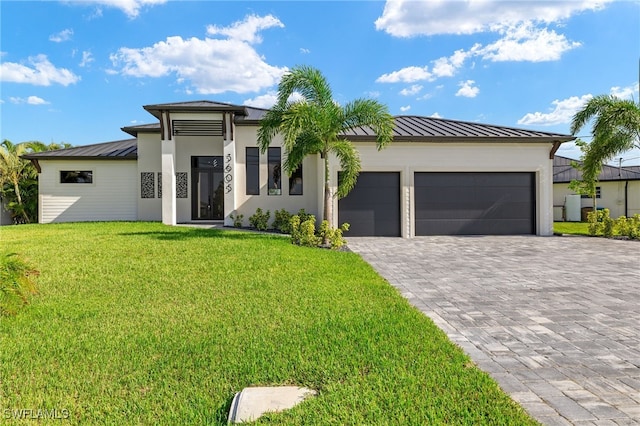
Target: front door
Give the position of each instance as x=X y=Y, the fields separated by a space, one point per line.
x=207 y=188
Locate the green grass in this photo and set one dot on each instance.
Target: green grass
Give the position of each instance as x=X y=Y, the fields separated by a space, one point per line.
x=139 y=323
x=573 y=228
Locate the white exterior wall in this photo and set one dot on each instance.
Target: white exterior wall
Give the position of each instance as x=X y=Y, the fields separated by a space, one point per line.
x=409 y=158
x=612 y=197
x=149 y=161
x=246 y=136
x=111 y=196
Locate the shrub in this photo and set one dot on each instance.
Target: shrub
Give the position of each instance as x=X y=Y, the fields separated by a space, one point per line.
x=595 y=225
x=304 y=216
x=621 y=226
x=333 y=235
x=634 y=227
x=282 y=221
x=260 y=220
x=16 y=284
x=607 y=223
x=304 y=233
x=237 y=220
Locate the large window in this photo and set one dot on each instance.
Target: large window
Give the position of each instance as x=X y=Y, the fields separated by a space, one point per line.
x=253 y=171
x=76 y=176
x=295 y=182
x=275 y=172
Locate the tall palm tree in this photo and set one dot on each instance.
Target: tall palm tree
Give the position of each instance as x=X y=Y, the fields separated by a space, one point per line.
x=313 y=123
x=616 y=128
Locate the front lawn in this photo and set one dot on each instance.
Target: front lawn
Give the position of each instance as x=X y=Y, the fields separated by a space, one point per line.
x=139 y=323
x=571 y=228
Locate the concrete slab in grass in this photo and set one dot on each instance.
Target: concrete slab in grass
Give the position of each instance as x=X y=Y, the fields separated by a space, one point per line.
x=251 y=403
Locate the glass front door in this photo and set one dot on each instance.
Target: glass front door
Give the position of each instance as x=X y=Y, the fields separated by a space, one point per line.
x=207 y=197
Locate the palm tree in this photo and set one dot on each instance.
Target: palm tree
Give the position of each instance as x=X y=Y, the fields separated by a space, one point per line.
x=616 y=128
x=19 y=179
x=314 y=124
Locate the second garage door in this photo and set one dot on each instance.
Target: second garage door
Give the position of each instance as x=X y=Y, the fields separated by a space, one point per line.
x=372 y=208
x=474 y=203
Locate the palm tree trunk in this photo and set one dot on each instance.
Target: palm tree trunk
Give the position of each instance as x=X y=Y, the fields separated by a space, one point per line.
x=327 y=214
x=16 y=188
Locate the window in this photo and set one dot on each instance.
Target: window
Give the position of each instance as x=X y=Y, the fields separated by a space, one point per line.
x=253 y=171
x=295 y=182
x=76 y=176
x=597 y=193
x=275 y=184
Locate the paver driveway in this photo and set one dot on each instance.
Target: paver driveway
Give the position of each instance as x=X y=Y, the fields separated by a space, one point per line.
x=555 y=320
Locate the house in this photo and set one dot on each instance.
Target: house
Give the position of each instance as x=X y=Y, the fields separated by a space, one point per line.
x=199 y=162
x=618 y=189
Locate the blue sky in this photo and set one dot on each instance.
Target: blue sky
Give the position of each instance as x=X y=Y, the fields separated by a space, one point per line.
x=78 y=71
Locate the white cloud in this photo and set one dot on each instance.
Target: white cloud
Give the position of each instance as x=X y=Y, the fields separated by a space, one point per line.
x=467 y=90
x=406 y=75
x=210 y=65
x=131 y=8
x=435 y=115
x=43 y=73
x=263 y=101
x=408 y=18
x=248 y=29
x=629 y=92
x=410 y=91
x=527 y=43
x=304 y=51
x=87 y=58
x=373 y=94
x=405 y=108
x=563 y=111
x=31 y=100
x=64 y=35
x=269 y=99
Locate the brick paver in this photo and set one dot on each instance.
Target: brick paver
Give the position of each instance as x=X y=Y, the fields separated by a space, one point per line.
x=555 y=320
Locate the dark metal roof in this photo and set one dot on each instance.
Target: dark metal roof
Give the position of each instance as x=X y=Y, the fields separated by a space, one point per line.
x=564 y=172
x=116 y=150
x=194 y=106
x=143 y=128
x=429 y=129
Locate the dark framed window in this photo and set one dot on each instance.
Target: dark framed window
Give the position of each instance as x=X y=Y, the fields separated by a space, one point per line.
x=76 y=176
x=253 y=171
x=295 y=182
x=597 y=193
x=275 y=171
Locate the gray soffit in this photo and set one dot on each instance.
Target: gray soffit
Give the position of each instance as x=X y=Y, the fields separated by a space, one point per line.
x=117 y=150
x=564 y=172
x=411 y=128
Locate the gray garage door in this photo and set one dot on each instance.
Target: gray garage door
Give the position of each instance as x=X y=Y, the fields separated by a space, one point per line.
x=372 y=208
x=474 y=203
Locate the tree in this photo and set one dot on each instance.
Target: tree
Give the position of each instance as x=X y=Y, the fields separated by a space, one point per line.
x=19 y=179
x=587 y=185
x=616 y=128
x=313 y=123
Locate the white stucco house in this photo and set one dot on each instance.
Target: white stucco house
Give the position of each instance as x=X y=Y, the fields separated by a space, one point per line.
x=199 y=162
x=618 y=189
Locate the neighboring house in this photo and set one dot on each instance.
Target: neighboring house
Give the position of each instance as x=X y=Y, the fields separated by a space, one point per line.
x=618 y=188
x=200 y=162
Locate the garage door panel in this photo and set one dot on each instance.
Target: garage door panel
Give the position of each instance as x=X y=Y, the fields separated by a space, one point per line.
x=474 y=203
x=372 y=208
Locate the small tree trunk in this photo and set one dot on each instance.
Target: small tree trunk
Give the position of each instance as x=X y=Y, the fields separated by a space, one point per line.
x=327 y=213
x=16 y=188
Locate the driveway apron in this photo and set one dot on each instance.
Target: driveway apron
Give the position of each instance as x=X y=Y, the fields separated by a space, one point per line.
x=554 y=320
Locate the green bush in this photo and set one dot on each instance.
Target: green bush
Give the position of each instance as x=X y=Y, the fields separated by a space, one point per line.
x=634 y=227
x=333 y=235
x=304 y=216
x=282 y=221
x=237 y=220
x=16 y=284
x=260 y=220
x=607 y=223
x=595 y=224
x=304 y=233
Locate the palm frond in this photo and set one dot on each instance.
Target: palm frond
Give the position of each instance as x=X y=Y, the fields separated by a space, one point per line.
x=349 y=164
x=370 y=113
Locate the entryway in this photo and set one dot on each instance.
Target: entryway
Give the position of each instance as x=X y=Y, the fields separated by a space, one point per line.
x=207 y=188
